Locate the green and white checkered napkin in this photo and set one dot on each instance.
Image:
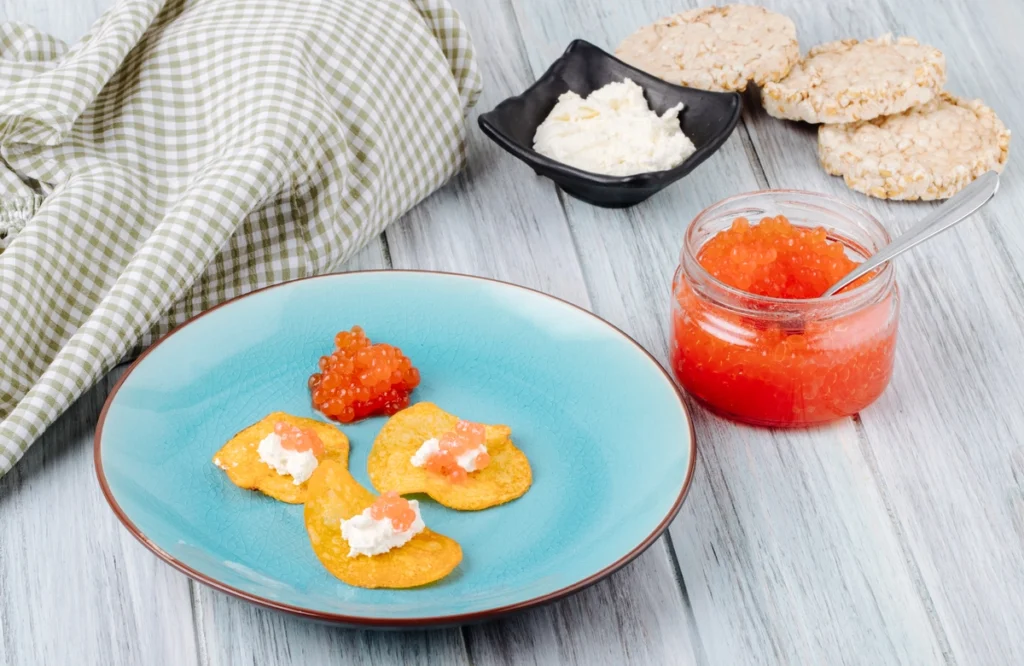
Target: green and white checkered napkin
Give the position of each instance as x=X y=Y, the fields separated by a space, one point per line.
x=188 y=151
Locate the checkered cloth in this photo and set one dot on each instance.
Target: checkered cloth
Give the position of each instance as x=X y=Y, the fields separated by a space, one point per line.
x=188 y=151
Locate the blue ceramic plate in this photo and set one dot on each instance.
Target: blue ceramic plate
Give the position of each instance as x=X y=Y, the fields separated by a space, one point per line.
x=605 y=429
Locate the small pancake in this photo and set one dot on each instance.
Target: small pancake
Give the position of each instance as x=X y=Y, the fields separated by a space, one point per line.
x=335 y=496
x=507 y=477
x=928 y=152
x=240 y=459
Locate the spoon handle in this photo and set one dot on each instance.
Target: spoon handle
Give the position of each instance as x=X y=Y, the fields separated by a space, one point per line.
x=959 y=207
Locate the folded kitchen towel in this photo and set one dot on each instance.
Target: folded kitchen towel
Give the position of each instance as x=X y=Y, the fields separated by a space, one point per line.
x=188 y=151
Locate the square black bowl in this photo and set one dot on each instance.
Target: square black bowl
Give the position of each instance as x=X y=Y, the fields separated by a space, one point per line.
x=708 y=118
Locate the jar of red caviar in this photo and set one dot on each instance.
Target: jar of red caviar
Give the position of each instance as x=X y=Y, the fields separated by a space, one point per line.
x=774 y=361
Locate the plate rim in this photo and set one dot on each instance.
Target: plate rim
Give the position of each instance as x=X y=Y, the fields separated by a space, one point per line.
x=375 y=622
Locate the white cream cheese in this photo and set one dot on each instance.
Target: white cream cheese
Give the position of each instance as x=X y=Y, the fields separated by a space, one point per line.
x=297 y=464
x=466 y=461
x=613 y=132
x=367 y=536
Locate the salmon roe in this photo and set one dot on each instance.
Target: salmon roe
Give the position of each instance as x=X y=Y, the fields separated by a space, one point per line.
x=362 y=379
x=775 y=258
x=299 y=439
x=771 y=363
x=466 y=437
x=398 y=510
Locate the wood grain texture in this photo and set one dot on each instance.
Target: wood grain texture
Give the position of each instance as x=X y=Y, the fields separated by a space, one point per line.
x=775 y=521
x=65 y=20
x=495 y=219
x=75 y=587
x=498 y=219
x=944 y=443
x=893 y=538
x=235 y=632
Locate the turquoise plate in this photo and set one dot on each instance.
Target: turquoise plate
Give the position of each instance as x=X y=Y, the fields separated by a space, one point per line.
x=605 y=429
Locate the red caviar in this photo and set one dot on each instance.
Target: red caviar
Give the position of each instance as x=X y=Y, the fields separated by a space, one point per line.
x=299 y=439
x=391 y=505
x=466 y=437
x=776 y=363
x=775 y=258
x=362 y=379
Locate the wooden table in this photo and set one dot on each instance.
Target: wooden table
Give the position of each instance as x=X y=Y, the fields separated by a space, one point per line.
x=894 y=537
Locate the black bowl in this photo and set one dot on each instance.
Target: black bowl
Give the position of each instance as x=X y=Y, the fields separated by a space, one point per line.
x=708 y=118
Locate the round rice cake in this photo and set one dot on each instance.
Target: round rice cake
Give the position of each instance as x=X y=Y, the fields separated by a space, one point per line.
x=928 y=152
x=849 y=80
x=715 y=48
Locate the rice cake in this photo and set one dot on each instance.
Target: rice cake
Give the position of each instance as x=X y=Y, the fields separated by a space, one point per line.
x=928 y=152
x=848 y=81
x=715 y=48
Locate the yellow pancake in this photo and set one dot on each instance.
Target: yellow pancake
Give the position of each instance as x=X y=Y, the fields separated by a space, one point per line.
x=506 y=478
x=335 y=496
x=240 y=459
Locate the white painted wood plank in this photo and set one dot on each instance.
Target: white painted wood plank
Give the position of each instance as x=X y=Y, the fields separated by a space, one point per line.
x=496 y=218
x=775 y=575
x=944 y=441
x=236 y=632
x=66 y=20
x=631 y=618
x=75 y=587
x=499 y=220
x=785 y=544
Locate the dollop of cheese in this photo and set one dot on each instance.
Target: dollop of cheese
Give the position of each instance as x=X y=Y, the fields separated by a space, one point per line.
x=465 y=460
x=613 y=132
x=300 y=465
x=367 y=536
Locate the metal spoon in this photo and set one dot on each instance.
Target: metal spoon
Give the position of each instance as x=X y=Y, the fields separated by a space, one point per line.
x=956 y=209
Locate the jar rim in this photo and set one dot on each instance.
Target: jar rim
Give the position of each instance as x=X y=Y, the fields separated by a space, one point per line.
x=841 y=303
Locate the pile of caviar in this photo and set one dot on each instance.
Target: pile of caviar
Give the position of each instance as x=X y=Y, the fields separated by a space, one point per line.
x=761 y=370
x=775 y=258
x=391 y=505
x=466 y=437
x=299 y=439
x=362 y=379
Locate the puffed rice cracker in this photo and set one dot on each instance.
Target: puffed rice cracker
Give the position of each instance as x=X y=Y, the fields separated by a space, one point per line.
x=715 y=48
x=848 y=81
x=927 y=152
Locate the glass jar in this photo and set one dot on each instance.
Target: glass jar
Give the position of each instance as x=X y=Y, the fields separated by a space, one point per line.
x=784 y=362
